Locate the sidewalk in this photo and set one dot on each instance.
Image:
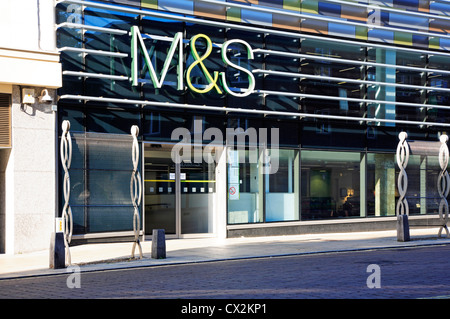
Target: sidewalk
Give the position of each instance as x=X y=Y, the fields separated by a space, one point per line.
x=117 y=255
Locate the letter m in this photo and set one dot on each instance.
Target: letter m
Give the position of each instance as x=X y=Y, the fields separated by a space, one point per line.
x=240 y=135
x=137 y=41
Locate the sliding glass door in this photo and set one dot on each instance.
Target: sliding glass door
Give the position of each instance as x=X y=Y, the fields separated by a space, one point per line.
x=179 y=197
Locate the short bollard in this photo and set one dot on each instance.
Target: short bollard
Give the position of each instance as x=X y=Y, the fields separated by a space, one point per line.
x=403 y=228
x=57 y=251
x=158 y=244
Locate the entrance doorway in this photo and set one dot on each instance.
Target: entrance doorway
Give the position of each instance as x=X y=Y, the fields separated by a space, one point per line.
x=179 y=197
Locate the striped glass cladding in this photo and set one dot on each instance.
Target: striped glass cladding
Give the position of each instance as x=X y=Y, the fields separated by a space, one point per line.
x=433 y=24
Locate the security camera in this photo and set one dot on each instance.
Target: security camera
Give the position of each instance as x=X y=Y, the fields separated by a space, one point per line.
x=45 y=97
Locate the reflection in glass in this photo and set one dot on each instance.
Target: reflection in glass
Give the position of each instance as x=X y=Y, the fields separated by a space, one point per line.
x=382 y=174
x=196 y=193
x=422 y=194
x=326 y=68
x=381 y=184
x=330 y=184
x=244 y=176
x=159 y=189
x=197 y=197
x=282 y=187
x=100 y=183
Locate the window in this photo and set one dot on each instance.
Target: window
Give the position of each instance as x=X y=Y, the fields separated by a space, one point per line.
x=398 y=76
x=326 y=68
x=244 y=187
x=282 y=187
x=382 y=193
x=439 y=80
x=381 y=184
x=330 y=184
x=100 y=183
x=422 y=194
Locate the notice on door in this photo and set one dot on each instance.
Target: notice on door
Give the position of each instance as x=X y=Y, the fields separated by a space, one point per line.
x=233 y=175
x=233 y=191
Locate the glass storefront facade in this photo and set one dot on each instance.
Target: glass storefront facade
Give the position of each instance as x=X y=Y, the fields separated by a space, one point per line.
x=338 y=90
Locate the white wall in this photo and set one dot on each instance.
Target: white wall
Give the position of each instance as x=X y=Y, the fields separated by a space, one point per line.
x=30 y=177
x=28 y=54
x=29 y=59
x=19 y=27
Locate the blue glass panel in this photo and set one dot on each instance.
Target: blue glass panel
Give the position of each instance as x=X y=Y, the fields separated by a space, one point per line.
x=412 y=4
x=185 y=6
x=75 y=116
x=79 y=220
x=101 y=219
x=420 y=41
x=272 y=3
x=330 y=9
x=384 y=36
x=341 y=29
x=440 y=8
x=445 y=44
x=111 y=121
x=109 y=187
x=407 y=21
x=109 y=154
x=250 y=16
x=384 y=16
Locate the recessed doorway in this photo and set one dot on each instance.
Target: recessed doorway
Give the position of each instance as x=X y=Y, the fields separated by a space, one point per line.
x=179 y=195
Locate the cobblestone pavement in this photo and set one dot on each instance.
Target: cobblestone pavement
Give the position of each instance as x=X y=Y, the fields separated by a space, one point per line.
x=421 y=272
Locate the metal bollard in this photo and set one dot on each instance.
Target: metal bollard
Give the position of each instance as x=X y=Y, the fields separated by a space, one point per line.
x=403 y=228
x=57 y=251
x=158 y=244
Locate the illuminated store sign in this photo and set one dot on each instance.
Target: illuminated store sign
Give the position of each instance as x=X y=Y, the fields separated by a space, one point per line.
x=216 y=81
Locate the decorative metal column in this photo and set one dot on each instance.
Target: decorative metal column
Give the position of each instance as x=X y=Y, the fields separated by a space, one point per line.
x=136 y=191
x=443 y=184
x=402 y=182
x=66 y=159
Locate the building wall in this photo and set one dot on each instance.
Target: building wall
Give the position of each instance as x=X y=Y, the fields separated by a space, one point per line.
x=30 y=177
x=4 y=156
x=28 y=54
x=28 y=60
x=27 y=25
x=338 y=85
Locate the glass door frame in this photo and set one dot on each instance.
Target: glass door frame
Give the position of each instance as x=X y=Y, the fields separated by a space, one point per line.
x=177 y=194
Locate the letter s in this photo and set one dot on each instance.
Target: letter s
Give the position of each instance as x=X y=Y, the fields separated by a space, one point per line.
x=251 y=78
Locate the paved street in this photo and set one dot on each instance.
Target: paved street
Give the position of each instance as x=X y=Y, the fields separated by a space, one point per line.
x=420 y=272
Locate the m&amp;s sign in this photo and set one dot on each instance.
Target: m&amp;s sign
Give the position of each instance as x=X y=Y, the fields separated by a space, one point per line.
x=216 y=81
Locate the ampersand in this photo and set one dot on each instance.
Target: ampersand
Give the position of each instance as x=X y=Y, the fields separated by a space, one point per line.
x=199 y=60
